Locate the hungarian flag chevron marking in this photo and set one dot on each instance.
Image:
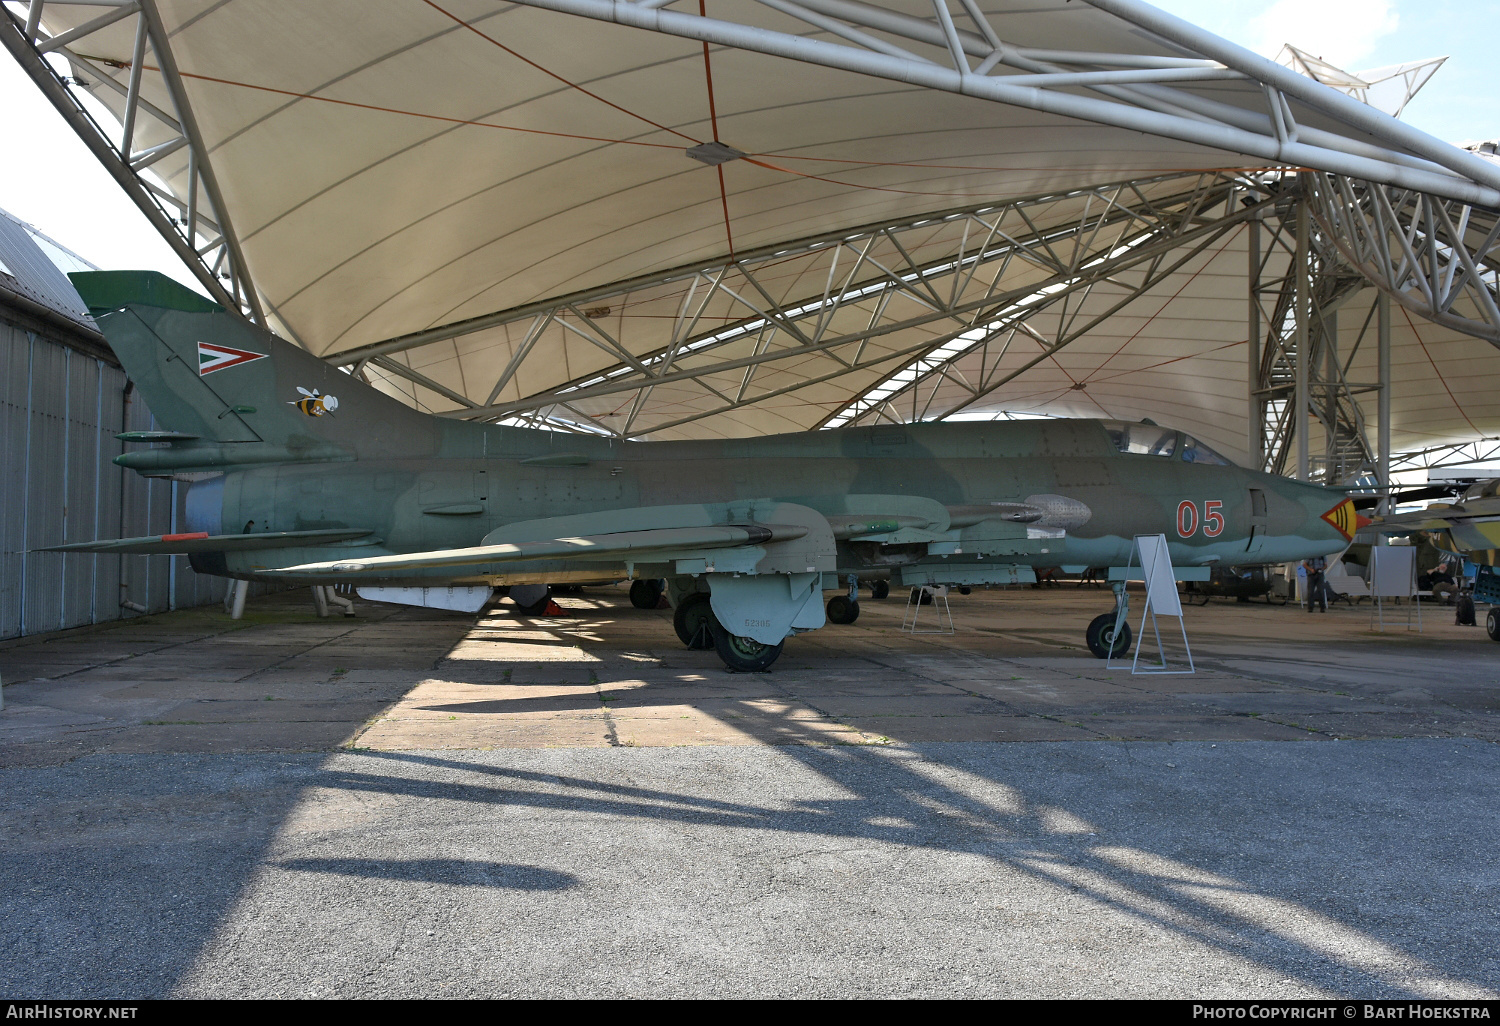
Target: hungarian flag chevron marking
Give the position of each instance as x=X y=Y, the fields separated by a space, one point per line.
x=215 y=358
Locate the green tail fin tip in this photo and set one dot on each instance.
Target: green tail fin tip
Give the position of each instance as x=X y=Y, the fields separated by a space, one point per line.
x=102 y=291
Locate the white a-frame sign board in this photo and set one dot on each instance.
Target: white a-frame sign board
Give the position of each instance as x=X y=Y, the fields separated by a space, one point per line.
x=1161 y=598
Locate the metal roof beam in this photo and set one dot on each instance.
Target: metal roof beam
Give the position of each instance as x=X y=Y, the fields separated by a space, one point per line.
x=1157 y=238
x=140 y=191
x=1471 y=180
x=1316 y=95
x=181 y=228
x=1424 y=253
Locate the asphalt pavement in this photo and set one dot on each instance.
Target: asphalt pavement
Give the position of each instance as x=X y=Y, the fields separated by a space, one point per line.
x=1136 y=869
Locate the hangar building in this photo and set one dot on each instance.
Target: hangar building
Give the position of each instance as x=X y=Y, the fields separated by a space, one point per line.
x=63 y=399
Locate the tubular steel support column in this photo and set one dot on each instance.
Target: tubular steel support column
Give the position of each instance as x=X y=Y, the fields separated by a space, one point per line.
x=1303 y=315
x=1383 y=307
x=1328 y=327
x=1255 y=403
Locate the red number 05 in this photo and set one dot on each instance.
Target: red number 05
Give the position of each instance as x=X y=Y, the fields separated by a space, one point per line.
x=1187 y=518
x=1213 y=520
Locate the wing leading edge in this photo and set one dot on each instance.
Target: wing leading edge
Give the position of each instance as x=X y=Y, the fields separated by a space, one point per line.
x=659 y=541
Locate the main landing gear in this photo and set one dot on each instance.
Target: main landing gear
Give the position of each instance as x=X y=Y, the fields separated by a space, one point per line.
x=699 y=629
x=842 y=609
x=845 y=608
x=745 y=655
x=1102 y=637
x=646 y=593
x=693 y=621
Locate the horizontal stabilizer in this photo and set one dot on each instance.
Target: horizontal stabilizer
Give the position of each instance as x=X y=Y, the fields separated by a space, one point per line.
x=182 y=544
x=155 y=436
x=589 y=547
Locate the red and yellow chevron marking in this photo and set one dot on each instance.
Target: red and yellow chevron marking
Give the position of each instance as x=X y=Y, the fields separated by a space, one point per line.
x=1345 y=519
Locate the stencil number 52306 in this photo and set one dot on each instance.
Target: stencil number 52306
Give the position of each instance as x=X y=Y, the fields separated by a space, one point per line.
x=1188 y=519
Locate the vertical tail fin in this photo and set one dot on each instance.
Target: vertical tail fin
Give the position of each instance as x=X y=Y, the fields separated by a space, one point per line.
x=208 y=374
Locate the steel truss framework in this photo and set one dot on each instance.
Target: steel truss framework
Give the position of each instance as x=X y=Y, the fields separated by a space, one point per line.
x=1139 y=92
x=1486 y=450
x=1297 y=372
x=912 y=393
x=982 y=273
x=196 y=225
x=1433 y=256
x=899 y=304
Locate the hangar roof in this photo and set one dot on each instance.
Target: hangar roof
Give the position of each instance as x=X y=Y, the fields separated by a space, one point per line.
x=391 y=169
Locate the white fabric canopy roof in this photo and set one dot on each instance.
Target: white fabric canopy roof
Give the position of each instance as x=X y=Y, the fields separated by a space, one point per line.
x=390 y=168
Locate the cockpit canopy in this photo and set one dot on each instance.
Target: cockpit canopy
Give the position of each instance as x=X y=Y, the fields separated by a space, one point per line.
x=1147 y=439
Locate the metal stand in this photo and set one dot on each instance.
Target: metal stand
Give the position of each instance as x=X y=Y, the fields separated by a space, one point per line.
x=1393 y=574
x=1161 y=597
x=914 y=610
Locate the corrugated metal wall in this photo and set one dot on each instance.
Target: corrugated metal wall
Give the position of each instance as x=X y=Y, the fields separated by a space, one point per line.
x=59 y=413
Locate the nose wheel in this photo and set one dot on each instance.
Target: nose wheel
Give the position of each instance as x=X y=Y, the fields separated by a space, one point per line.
x=842 y=609
x=1104 y=640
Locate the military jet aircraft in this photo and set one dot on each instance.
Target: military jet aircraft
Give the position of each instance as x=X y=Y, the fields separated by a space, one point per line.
x=304 y=473
x=1470 y=526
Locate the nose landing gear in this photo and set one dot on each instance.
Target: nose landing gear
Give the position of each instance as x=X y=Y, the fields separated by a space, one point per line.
x=845 y=608
x=1103 y=639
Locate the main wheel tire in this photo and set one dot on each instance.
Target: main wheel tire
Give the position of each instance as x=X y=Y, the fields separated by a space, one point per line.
x=921 y=596
x=1492 y=624
x=694 y=621
x=645 y=593
x=1103 y=641
x=842 y=609
x=745 y=655
x=880 y=589
x=1463 y=614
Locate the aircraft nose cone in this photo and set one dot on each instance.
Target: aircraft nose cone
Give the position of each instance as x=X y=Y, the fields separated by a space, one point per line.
x=1329 y=520
x=1344 y=519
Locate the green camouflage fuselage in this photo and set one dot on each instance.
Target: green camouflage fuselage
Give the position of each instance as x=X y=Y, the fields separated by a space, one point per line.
x=302 y=446
x=471 y=485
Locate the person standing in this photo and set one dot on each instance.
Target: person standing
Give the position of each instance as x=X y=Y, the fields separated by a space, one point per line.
x=1317 y=588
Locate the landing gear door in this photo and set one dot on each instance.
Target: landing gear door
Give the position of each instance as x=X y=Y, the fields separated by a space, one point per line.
x=1258 y=522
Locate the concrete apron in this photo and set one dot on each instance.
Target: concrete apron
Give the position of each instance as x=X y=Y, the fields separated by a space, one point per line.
x=287 y=806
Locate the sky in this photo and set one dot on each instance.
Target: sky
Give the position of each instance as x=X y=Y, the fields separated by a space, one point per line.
x=56 y=184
